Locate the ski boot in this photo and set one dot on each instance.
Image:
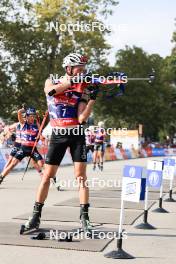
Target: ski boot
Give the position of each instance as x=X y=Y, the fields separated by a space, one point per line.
x=101 y=166
x=1 y=179
x=56 y=183
x=84 y=219
x=34 y=221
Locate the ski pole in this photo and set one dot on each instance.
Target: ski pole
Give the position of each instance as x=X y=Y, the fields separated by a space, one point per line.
x=36 y=141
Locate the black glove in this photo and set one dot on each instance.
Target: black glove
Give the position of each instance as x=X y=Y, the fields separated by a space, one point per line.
x=94 y=90
x=52 y=92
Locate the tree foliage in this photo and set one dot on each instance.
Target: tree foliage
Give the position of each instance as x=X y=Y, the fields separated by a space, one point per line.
x=143 y=103
x=31 y=49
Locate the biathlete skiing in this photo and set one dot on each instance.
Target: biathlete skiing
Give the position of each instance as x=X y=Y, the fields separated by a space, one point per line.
x=17 y=144
x=26 y=134
x=99 y=146
x=90 y=139
x=68 y=111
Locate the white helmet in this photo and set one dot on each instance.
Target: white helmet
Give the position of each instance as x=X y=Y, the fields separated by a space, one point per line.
x=101 y=124
x=74 y=59
x=91 y=128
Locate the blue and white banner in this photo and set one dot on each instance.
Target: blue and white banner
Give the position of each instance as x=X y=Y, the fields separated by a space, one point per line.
x=169 y=162
x=158 y=152
x=154 y=178
x=131 y=185
x=169 y=169
x=133 y=171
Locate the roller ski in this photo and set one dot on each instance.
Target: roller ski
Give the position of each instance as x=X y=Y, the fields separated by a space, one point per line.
x=46 y=236
x=33 y=222
x=101 y=166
